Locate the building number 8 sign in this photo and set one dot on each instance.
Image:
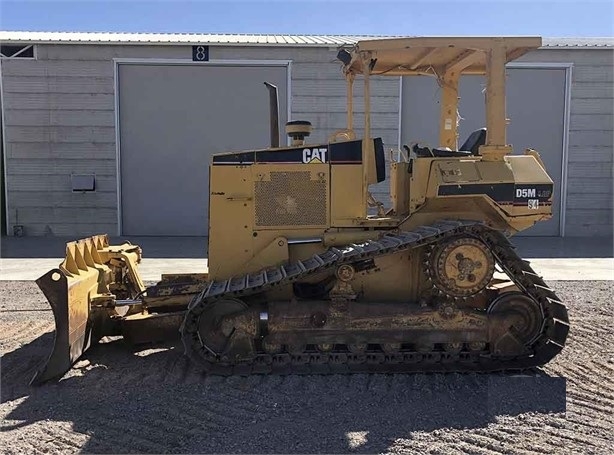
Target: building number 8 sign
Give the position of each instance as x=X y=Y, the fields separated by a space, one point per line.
x=200 y=53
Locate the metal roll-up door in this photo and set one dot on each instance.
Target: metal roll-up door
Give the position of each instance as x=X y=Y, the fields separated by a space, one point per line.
x=172 y=119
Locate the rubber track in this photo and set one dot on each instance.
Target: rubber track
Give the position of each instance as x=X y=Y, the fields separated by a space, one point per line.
x=547 y=345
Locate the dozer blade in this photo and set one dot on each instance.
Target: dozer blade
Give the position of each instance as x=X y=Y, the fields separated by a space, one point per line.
x=71 y=313
x=79 y=292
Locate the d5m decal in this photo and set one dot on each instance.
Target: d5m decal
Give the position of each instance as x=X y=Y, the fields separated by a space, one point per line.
x=525 y=192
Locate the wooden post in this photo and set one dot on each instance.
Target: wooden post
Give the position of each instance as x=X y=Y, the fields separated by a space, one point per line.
x=367 y=135
x=495 y=97
x=350 y=101
x=448 y=117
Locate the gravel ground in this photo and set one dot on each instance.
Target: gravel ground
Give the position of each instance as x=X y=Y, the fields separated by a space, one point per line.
x=118 y=399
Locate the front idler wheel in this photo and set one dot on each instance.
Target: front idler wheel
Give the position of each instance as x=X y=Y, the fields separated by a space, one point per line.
x=225 y=330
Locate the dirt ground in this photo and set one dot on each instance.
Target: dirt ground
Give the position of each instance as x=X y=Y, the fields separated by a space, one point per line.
x=118 y=399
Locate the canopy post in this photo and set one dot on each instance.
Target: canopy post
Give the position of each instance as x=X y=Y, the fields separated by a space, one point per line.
x=350 y=100
x=495 y=96
x=496 y=147
x=366 y=149
x=367 y=99
x=448 y=117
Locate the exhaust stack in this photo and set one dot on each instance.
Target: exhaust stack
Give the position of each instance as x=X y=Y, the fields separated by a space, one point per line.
x=274 y=114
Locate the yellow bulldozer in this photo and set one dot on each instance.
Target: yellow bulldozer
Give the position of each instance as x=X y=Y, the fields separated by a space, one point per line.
x=308 y=273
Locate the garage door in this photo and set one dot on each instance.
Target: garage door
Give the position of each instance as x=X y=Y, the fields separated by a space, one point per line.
x=535 y=107
x=172 y=118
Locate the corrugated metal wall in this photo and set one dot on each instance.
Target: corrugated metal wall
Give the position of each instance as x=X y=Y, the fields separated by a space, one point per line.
x=590 y=154
x=61 y=120
x=59 y=112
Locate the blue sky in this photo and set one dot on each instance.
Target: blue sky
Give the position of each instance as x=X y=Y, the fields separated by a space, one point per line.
x=385 y=17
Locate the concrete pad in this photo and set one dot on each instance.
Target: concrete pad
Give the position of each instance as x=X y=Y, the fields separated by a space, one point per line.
x=571 y=269
x=552 y=269
x=17 y=269
x=26 y=269
x=153 y=247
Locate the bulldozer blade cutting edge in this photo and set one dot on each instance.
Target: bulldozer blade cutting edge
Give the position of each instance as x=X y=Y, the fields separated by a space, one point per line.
x=72 y=334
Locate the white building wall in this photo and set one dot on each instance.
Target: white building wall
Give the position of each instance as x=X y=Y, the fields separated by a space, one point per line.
x=60 y=119
x=590 y=154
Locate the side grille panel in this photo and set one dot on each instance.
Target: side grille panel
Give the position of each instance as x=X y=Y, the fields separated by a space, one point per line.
x=291 y=198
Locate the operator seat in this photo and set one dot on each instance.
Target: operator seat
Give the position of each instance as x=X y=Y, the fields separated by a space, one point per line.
x=470 y=147
x=474 y=141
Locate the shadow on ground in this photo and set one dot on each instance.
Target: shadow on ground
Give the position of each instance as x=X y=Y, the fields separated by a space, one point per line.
x=154 y=401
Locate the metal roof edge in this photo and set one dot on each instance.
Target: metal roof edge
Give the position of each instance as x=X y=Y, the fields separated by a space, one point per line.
x=243 y=39
x=179 y=39
x=578 y=43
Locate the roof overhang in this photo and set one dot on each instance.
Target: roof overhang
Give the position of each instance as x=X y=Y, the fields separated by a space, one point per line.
x=436 y=55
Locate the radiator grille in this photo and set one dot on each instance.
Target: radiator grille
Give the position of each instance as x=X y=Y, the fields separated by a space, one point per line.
x=291 y=199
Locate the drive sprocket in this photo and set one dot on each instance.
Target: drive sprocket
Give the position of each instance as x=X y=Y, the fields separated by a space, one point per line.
x=461 y=266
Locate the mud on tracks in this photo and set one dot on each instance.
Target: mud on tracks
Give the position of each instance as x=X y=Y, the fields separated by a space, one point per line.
x=150 y=400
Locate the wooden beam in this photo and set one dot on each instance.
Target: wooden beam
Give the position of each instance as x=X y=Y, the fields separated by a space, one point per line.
x=422 y=71
x=466 y=58
x=482 y=43
x=421 y=58
x=515 y=53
